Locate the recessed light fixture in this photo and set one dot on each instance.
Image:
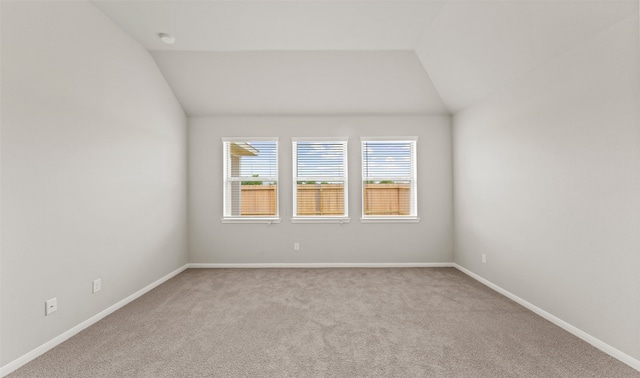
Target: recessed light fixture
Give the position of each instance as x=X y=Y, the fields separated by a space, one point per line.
x=167 y=38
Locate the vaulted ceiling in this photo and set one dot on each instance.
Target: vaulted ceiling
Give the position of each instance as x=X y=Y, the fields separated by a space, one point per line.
x=354 y=57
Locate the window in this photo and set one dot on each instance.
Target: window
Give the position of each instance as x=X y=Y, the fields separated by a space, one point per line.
x=250 y=179
x=389 y=179
x=320 y=180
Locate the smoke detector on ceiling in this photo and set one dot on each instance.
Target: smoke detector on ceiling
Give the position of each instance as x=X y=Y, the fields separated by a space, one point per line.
x=167 y=38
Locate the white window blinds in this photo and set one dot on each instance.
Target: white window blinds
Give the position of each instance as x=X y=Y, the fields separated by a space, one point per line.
x=250 y=178
x=389 y=182
x=320 y=178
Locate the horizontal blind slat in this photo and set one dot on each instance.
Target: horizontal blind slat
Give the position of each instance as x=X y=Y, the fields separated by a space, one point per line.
x=320 y=159
x=387 y=159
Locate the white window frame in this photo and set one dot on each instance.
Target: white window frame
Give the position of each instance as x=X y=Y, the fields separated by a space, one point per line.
x=319 y=218
x=412 y=178
x=227 y=217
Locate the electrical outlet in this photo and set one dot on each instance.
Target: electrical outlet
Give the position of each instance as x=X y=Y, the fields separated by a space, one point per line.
x=484 y=258
x=50 y=306
x=97 y=285
x=296 y=246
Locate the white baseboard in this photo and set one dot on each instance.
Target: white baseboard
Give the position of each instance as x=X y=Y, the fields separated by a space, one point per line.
x=19 y=362
x=322 y=265
x=608 y=349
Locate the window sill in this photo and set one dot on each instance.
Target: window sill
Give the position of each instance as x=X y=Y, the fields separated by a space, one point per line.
x=250 y=220
x=390 y=220
x=340 y=220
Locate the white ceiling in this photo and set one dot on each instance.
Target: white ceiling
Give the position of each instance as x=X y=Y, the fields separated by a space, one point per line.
x=359 y=57
x=299 y=82
x=475 y=48
x=275 y=25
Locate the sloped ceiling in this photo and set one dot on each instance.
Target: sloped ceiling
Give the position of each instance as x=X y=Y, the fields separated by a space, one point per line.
x=209 y=25
x=476 y=48
x=299 y=82
x=354 y=57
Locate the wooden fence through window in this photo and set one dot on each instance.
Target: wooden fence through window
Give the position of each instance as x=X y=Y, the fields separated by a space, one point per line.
x=328 y=199
x=258 y=200
x=387 y=199
x=320 y=199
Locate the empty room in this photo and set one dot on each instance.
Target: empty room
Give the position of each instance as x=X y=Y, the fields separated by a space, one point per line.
x=320 y=188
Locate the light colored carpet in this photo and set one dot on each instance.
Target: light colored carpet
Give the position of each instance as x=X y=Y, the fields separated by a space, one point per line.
x=422 y=322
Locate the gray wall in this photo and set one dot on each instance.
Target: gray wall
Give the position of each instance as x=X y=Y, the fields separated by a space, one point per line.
x=211 y=241
x=93 y=169
x=547 y=185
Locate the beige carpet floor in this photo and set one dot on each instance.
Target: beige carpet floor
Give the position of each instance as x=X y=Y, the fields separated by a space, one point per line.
x=417 y=322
